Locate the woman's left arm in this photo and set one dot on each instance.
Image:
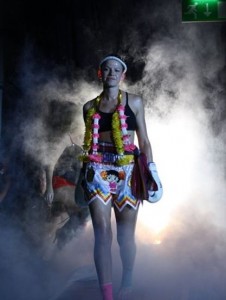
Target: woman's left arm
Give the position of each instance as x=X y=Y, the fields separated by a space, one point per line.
x=154 y=194
x=142 y=135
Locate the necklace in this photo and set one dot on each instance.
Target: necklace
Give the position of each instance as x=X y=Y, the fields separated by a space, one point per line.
x=119 y=133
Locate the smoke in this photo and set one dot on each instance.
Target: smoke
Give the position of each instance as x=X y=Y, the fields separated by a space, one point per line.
x=23 y=273
x=48 y=119
x=181 y=239
x=49 y=110
x=181 y=256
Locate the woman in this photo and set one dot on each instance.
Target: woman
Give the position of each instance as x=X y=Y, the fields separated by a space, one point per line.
x=112 y=120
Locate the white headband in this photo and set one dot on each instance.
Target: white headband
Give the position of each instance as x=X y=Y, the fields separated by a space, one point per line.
x=115 y=58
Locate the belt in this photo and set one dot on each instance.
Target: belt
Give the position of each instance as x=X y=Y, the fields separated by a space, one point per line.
x=109 y=158
x=107 y=155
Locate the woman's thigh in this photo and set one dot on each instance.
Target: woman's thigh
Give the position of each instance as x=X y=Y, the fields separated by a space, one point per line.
x=126 y=221
x=100 y=215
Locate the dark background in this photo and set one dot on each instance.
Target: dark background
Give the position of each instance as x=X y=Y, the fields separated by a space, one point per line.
x=45 y=40
x=74 y=35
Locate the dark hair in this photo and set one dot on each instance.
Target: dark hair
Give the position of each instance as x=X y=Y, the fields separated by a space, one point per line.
x=115 y=173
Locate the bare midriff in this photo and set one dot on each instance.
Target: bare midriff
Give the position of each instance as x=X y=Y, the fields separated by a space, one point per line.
x=106 y=136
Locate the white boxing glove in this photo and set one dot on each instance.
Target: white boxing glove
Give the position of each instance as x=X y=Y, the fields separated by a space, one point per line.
x=154 y=194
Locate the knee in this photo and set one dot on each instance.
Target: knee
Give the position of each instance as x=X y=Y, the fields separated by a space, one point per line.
x=103 y=234
x=126 y=240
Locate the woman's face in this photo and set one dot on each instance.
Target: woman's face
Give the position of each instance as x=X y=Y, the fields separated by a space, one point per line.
x=112 y=73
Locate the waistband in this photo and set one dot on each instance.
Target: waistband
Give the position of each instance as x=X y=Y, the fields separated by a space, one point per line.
x=107 y=154
x=111 y=158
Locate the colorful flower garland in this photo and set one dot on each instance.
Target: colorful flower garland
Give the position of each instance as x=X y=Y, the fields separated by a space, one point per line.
x=119 y=131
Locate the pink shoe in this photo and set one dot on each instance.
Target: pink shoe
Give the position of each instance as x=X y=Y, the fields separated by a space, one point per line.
x=106 y=290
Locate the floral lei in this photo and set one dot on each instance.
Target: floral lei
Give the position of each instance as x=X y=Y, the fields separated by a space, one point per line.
x=119 y=131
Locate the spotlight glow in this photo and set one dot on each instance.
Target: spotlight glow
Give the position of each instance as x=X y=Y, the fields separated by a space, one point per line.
x=177 y=145
x=155 y=217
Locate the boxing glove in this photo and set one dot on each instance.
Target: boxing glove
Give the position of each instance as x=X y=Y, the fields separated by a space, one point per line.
x=156 y=190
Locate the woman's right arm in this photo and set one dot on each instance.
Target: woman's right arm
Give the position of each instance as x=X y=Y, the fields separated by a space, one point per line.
x=86 y=107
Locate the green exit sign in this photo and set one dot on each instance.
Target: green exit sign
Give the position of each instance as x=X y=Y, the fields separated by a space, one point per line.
x=203 y=10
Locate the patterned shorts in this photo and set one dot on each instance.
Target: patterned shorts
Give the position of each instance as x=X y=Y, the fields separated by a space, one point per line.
x=108 y=182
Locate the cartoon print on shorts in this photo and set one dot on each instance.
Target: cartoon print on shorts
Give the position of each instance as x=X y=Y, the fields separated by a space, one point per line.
x=129 y=183
x=113 y=177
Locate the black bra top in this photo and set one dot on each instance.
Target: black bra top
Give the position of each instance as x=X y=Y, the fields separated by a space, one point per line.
x=105 y=121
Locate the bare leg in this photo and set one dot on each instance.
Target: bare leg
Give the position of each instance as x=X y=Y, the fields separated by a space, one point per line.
x=101 y=218
x=126 y=225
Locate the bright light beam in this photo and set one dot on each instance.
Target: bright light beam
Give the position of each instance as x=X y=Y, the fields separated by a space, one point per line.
x=178 y=142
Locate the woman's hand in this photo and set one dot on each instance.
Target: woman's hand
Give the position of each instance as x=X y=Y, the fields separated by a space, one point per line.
x=155 y=194
x=49 y=195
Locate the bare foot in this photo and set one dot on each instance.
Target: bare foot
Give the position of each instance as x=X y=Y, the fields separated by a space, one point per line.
x=125 y=293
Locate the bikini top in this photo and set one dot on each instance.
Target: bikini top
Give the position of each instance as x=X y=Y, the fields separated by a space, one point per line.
x=105 y=121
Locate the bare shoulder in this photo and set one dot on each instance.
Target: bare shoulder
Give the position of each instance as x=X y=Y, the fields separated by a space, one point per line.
x=88 y=105
x=135 y=101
